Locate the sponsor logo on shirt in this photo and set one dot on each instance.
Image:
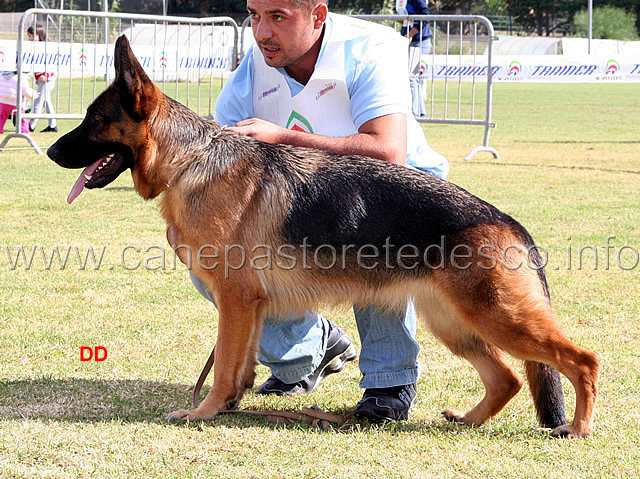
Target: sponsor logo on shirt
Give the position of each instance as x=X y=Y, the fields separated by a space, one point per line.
x=298 y=122
x=268 y=92
x=325 y=90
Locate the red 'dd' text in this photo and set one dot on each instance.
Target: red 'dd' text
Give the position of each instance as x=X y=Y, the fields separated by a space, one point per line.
x=98 y=353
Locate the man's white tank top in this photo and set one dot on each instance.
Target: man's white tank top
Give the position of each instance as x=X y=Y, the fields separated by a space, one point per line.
x=323 y=106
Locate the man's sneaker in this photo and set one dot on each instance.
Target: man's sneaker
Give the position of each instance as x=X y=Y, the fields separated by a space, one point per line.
x=50 y=129
x=339 y=351
x=386 y=404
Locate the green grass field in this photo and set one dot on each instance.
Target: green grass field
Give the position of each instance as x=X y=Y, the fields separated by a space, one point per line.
x=569 y=170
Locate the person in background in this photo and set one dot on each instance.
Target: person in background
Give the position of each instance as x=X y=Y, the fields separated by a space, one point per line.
x=419 y=35
x=9 y=96
x=46 y=83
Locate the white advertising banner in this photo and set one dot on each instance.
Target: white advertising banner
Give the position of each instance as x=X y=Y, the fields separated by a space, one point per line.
x=536 y=68
x=74 y=60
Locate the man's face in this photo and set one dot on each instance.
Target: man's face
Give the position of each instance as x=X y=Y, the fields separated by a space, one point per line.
x=284 y=32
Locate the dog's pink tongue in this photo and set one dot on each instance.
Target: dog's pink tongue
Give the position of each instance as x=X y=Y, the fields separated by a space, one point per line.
x=82 y=180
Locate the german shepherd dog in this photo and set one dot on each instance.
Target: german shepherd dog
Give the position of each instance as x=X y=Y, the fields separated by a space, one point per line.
x=348 y=230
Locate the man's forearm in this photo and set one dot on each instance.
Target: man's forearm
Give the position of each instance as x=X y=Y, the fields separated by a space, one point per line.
x=384 y=138
x=363 y=144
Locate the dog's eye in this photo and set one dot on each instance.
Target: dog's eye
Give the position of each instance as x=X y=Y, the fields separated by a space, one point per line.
x=97 y=117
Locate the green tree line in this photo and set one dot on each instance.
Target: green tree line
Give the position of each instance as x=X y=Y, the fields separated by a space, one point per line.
x=542 y=17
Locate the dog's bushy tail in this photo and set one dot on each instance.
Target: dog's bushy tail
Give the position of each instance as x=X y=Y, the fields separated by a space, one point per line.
x=544 y=380
x=548 y=397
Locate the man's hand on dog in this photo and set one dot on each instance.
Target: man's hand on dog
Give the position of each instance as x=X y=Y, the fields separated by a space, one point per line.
x=261 y=130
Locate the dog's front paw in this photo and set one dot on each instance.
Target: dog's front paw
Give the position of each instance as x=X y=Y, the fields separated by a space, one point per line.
x=188 y=415
x=456 y=417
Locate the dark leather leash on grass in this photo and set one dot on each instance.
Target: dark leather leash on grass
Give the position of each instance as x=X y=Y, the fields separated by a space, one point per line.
x=203 y=377
x=312 y=415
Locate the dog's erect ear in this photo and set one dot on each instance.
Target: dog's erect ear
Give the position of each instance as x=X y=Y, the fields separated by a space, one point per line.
x=131 y=78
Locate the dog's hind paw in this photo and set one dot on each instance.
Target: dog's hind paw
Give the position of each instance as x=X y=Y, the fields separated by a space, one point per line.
x=568 y=430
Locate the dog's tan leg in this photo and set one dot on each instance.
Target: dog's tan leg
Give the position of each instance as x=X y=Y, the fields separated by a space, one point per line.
x=509 y=310
x=250 y=367
x=533 y=336
x=238 y=336
x=501 y=384
x=252 y=358
x=530 y=333
x=582 y=368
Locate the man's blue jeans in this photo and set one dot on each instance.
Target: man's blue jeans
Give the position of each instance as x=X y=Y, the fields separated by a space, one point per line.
x=293 y=347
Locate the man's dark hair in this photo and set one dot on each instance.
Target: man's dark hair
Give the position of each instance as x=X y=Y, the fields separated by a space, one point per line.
x=307 y=4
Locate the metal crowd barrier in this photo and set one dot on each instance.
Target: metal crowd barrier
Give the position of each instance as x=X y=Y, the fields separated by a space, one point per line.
x=458 y=75
x=187 y=57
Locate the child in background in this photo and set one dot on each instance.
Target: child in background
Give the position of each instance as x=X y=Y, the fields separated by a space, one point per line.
x=46 y=83
x=9 y=94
